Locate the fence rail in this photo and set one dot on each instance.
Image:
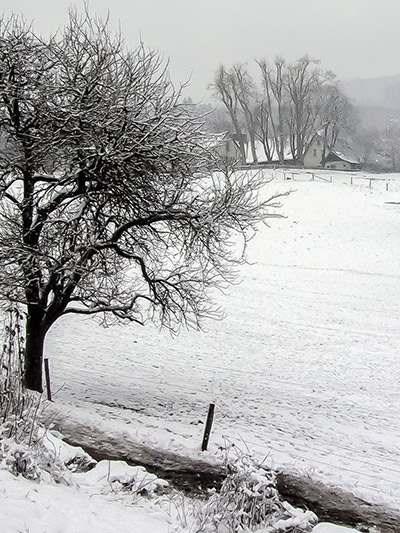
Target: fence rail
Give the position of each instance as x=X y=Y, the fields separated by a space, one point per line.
x=371 y=182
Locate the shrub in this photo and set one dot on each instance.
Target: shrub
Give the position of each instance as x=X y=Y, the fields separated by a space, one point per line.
x=249 y=501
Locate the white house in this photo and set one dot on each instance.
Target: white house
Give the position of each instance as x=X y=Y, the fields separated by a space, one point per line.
x=315 y=154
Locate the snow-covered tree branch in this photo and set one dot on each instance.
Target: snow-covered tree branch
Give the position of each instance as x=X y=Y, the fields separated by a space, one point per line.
x=110 y=199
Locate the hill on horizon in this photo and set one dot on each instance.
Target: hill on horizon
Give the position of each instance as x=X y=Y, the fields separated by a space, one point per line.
x=383 y=92
x=377 y=100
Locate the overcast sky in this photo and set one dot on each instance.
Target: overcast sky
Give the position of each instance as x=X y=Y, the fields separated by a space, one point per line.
x=353 y=38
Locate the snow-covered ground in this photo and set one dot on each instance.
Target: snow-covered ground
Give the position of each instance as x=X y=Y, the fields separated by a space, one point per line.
x=304 y=368
x=27 y=507
x=114 y=498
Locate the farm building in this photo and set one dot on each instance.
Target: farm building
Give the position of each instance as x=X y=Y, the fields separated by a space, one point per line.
x=339 y=161
x=314 y=156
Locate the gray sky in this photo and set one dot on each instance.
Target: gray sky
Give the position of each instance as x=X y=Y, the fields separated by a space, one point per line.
x=353 y=38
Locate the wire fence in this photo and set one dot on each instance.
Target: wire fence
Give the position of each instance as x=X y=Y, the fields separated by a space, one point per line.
x=382 y=182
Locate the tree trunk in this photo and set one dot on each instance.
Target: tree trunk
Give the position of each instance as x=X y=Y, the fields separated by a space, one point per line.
x=34 y=344
x=253 y=146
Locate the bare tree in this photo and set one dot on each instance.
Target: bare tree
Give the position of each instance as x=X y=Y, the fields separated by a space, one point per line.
x=245 y=92
x=296 y=103
x=276 y=103
x=368 y=143
x=263 y=129
x=390 y=143
x=336 y=116
x=223 y=89
x=303 y=83
x=108 y=203
x=237 y=91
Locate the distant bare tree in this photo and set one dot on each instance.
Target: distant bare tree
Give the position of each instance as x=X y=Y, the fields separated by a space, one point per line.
x=296 y=102
x=276 y=103
x=390 y=145
x=337 y=116
x=263 y=128
x=219 y=121
x=108 y=203
x=368 y=143
x=224 y=90
x=303 y=82
x=245 y=92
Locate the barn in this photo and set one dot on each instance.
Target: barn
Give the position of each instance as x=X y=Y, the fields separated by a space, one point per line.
x=339 y=161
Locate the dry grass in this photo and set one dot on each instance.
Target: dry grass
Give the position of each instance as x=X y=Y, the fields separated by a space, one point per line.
x=18 y=407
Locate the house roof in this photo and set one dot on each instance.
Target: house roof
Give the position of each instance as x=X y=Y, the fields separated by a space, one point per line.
x=342 y=157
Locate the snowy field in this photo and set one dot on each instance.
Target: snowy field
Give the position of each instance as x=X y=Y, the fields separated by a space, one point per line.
x=304 y=369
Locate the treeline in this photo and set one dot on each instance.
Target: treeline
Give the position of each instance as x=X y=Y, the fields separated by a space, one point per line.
x=379 y=147
x=284 y=109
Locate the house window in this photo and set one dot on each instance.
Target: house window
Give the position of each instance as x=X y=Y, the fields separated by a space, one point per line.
x=315 y=152
x=318 y=142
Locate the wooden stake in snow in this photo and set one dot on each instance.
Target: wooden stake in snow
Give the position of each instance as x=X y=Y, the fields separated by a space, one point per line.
x=47 y=372
x=207 y=429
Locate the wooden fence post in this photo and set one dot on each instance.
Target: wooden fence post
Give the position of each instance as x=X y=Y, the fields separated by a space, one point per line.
x=387 y=185
x=207 y=429
x=370 y=183
x=351 y=180
x=47 y=372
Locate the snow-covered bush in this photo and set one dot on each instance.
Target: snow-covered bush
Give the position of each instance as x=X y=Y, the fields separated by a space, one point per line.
x=118 y=477
x=249 y=501
x=33 y=461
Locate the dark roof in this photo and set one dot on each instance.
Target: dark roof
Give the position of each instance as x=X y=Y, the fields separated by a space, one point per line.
x=340 y=156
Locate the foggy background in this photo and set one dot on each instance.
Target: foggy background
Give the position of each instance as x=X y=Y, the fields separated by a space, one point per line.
x=353 y=38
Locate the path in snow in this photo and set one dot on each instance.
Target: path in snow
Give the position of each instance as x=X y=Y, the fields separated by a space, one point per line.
x=195 y=476
x=190 y=475
x=305 y=366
